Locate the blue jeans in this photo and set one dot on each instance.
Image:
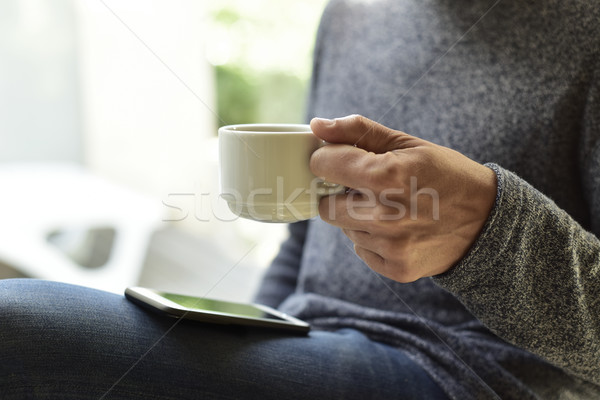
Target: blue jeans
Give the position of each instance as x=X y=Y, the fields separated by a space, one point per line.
x=59 y=341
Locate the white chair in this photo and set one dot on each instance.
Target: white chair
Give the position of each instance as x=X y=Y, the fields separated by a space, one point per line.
x=44 y=203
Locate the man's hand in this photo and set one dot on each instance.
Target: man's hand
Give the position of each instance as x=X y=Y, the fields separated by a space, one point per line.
x=414 y=208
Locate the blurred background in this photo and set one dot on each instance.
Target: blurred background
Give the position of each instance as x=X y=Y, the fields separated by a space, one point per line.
x=108 y=149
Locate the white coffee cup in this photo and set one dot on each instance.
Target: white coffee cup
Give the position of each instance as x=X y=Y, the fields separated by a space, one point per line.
x=265 y=174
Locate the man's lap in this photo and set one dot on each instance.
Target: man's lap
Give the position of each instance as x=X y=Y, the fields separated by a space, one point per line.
x=62 y=341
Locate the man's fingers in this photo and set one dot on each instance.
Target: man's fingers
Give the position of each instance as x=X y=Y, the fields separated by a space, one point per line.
x=339 y=211
x=342 y=164
x=356 y=130
x=360 y=153
x=356 y=168
x=372 y=259
x=364 y=212
x=385 y=267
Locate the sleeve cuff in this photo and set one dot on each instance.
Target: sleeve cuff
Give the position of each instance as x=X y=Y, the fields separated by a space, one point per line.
x=473 y=268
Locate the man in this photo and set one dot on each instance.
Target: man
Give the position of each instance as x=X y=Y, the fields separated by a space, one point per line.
x=485 y=258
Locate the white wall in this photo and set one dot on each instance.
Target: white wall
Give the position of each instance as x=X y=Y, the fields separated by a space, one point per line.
x=147 y=91
x=149 y=115
x=123 y=87
x=39 y=92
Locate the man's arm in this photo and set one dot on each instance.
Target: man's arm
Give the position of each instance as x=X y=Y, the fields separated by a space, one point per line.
x=533 y=278
x=521 y=265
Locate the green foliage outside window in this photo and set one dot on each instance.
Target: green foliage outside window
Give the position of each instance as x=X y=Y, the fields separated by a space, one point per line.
x=269 y=97
x=262 y=52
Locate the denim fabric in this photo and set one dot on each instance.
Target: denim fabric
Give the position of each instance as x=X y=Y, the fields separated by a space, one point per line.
x=68 y=342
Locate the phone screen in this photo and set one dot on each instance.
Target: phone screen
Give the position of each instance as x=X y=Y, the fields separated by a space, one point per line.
x=215 y=311
x=225 y=307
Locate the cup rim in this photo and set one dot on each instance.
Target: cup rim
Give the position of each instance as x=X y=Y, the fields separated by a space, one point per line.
x=267 y=128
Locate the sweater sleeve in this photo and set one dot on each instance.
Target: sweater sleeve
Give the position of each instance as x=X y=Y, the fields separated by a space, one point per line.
x=533 y=275
x=533 y=278
x=281 y=277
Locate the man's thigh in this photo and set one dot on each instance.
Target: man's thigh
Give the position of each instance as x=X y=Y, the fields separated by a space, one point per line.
x=61 y=341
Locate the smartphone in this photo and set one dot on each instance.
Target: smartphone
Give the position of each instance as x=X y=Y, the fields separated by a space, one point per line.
x=214 y=311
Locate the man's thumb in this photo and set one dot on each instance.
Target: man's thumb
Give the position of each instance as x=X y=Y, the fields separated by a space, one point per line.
x=361 y=132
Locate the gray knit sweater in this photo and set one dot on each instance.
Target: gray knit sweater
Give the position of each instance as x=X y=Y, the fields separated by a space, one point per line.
x=519 y=89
